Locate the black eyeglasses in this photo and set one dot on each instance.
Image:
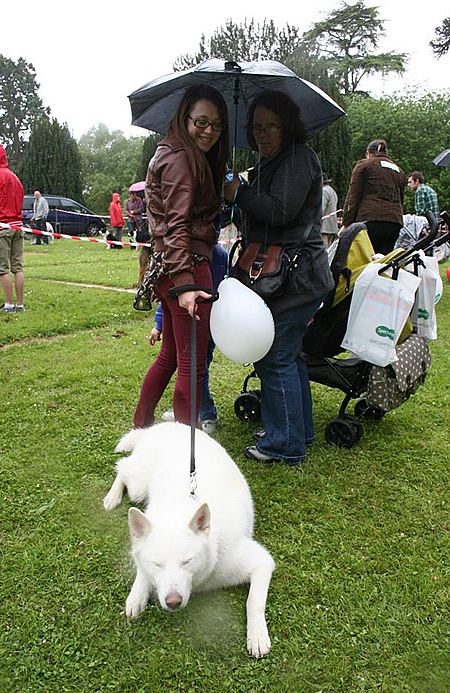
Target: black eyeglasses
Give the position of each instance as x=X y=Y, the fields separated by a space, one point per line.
x=202 y=124
x=270 y=128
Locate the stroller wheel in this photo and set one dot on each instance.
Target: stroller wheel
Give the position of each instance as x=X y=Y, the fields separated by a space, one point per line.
x=247 y=406
x=343 y=432
x=364 y=411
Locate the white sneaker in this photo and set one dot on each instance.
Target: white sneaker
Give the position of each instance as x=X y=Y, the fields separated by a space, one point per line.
x=209 y=425
x=168 y=416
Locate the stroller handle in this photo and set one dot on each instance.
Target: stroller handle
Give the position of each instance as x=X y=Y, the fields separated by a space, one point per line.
x=396 y=262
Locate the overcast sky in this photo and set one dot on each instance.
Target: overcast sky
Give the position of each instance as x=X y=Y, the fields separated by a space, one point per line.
x=89 y=55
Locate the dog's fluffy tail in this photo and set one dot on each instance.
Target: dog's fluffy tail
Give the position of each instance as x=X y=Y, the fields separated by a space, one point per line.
x=130 y=440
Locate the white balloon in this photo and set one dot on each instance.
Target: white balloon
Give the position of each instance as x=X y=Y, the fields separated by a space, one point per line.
x=241 y=323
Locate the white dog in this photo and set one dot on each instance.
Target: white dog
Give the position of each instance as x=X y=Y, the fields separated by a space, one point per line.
x=185 y=543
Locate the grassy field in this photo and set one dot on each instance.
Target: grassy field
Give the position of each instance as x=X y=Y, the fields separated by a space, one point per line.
x=359 y=600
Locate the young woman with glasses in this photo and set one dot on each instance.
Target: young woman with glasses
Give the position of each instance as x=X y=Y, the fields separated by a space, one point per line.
x=183 y=190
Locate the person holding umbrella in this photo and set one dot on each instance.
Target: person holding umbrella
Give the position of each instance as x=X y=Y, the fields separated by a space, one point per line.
x=183 y=190
x=282 y=205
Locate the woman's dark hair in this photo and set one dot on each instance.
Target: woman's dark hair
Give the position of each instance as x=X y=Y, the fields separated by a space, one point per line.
x=293 y=128
x=377 y=147
x=218 y=155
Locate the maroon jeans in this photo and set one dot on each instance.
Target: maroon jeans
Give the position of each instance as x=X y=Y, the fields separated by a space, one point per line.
x=175 y=353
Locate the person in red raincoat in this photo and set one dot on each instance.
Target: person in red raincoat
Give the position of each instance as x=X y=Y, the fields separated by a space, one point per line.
x=115 y=211
x=11 y=239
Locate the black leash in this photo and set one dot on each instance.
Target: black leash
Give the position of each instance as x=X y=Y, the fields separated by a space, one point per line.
x=192 y=472
x=173 y=293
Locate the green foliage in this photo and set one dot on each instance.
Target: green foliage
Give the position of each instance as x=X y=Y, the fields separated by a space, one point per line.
x=248 y=41
x=20 y=105
x=51 y=162
x=416 y=128
x=441 y=43
x=332 y=145
x=346 y=38
x=148 y=149
x=111 y=162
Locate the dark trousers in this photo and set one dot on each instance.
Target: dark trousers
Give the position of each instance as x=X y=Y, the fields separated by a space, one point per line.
x=41 y=225
x=383 y=235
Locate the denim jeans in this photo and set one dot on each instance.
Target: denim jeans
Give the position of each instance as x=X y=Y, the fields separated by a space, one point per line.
x=41 y=225
x=286 y=405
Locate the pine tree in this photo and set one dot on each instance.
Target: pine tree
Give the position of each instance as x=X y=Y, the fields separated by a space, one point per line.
x=51 y=162
x=20 y=105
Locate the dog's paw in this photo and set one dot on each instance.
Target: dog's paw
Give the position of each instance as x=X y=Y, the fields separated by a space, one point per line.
x=135 y=605
x=258 y=644
x=114 y=497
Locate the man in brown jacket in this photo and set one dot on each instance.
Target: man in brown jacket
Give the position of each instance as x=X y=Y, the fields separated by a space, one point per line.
x=375 y=196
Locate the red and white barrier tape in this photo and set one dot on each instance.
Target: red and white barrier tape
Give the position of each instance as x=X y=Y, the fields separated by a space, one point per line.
x=87 y=214
x=18 y=227
x=38 y=232
x=331 y=214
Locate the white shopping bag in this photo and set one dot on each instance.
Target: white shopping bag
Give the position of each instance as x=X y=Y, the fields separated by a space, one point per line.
x=379 y=309
x=428 y=294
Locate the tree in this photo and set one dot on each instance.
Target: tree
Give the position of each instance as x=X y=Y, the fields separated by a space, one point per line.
x=247 y=41
x=148 y=149
x=346 y=38
x=110 y=163
x=20 y=105
x=416 y=128
x=51 y=162
x=441 y=43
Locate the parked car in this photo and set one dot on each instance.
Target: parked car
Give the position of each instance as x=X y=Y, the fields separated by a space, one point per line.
x=66 y=216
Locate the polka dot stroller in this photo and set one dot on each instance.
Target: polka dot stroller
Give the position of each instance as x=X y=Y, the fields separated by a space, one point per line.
x=376 y=389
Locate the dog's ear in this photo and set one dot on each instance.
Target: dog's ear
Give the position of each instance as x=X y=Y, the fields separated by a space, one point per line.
x=140 y=526
x=201 y=520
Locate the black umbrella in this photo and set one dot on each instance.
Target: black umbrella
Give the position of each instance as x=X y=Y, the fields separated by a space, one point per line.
x=153 y=105
x=442 y=159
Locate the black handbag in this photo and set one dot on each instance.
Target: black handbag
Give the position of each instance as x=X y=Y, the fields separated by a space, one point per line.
x=266 y=269
x=142 y=234
x=263 y=268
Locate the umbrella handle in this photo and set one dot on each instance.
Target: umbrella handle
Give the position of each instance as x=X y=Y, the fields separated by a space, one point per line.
x=236 y=103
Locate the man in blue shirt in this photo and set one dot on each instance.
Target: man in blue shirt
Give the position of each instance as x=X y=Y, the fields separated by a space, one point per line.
x=425 y=199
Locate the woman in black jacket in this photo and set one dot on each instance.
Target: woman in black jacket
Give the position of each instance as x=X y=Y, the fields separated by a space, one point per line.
x=282 y=205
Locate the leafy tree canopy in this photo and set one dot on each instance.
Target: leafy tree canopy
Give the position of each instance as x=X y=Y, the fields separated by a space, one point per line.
x=148 y=149
x=110 y=163
x=416 y=128
x=51 y=162
x=20 y=105
x=441 y=43
x=346 y=38
x=248 y=41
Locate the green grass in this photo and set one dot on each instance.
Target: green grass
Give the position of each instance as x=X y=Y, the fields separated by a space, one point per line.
x=359 y=599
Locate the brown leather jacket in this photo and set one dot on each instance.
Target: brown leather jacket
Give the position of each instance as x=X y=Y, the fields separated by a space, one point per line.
x=376 y=191
x=180 y=213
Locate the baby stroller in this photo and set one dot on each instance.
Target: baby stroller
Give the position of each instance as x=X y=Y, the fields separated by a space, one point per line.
x=377 y=389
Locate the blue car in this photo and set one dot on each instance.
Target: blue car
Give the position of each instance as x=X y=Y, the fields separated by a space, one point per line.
x=66 y=216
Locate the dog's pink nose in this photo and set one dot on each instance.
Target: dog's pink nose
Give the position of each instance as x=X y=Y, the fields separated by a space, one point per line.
x=173 y=600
